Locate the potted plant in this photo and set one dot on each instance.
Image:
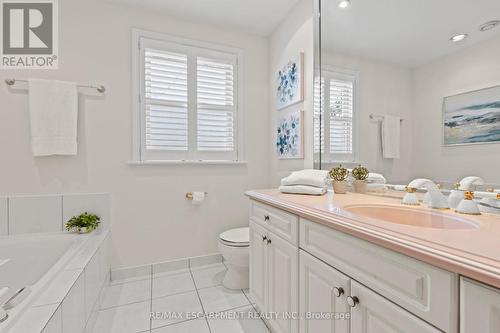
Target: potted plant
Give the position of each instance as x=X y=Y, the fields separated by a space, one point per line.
x=84 y=223
x=339 y=179
x=360 y=174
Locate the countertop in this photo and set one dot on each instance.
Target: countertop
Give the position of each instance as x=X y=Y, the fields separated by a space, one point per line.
x=474 y=253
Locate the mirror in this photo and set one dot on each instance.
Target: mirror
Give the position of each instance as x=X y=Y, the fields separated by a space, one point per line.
x=432 y=64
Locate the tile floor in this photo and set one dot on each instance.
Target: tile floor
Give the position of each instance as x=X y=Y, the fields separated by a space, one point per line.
x=176 y=298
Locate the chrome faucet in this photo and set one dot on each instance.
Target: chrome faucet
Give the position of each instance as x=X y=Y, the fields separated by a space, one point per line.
x=437 y=199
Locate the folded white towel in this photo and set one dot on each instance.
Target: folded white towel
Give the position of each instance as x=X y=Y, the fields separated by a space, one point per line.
x=391 y=128
x=308 y=177
x=53 y=107
x=303 y=189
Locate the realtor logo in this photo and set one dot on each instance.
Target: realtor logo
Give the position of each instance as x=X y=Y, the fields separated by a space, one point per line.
x=29 y=34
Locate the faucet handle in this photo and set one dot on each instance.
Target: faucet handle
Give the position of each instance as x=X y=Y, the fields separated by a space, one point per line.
x=468 y=195
x=410 y=189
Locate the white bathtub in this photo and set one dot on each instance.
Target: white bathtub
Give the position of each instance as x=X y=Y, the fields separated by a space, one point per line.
x=39 y=261
x=30 y=258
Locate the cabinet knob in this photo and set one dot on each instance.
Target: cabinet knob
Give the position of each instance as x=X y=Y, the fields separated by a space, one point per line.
x=266 y=217
x=338 y=291
x=352 y=301
x=264 y=238
x=268 y=241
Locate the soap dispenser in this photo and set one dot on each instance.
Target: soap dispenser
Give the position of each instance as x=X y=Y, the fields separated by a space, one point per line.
x=455 y=196
x=467 y=205
x=410 y=197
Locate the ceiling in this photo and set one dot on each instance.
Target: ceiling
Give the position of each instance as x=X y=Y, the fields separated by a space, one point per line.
x=259 y=17
x=405 y=32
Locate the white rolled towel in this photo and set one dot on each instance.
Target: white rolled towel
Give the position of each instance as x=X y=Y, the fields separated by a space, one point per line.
x=376 y=178
x=308 y=177
x=303 y=189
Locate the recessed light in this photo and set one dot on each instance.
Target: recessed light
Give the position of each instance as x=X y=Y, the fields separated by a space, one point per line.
x=489 y=25
x=343 y=4
x=458 y=38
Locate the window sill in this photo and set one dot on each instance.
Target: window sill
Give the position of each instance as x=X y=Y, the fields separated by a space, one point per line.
x=183 y=162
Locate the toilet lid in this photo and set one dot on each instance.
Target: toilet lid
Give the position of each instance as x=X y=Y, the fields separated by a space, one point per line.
x=238 y=237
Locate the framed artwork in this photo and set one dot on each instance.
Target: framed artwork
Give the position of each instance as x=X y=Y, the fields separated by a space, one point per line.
x=472 y=117
x=290 y=83
x=289 y=136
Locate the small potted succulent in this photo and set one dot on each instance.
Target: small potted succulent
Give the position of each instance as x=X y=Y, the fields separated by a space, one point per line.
x=84 y=223
x=339 y=179
x=360 y=174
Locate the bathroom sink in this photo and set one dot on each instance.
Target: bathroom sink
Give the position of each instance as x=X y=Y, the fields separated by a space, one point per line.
x=411 y=217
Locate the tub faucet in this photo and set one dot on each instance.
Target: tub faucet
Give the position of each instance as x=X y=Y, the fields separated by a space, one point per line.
x=437 y=199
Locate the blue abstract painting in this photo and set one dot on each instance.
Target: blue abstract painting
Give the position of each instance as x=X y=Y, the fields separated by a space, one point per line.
x=472 y=118
x=289 y=83
x=289 y=136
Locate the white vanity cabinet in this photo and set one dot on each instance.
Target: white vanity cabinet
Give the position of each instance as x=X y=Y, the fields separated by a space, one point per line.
x=323 y=290
x=274 y=276
x=479 y=307
x=302 y=267
x=372 y=313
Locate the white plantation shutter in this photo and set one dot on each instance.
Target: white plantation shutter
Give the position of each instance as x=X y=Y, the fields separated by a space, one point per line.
x=215 y=80
x=337 y=115
x=188 y=102
x=341 y=116
x=319 y=107
x=166 y=100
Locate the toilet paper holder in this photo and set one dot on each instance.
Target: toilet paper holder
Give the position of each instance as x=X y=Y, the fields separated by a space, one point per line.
x=189 y=195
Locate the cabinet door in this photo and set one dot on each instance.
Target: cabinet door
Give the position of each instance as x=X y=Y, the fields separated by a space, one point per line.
x=283 y=284
x=323 y=290
x=375 y=314
x=258 y=265
x=479 y=308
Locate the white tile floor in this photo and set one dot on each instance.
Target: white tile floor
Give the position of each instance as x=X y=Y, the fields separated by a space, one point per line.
x=127 y=304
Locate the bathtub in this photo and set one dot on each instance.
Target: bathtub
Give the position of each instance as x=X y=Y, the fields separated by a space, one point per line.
x=50 y=265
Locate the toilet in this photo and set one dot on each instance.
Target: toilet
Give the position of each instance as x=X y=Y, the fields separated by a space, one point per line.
x=234 y=245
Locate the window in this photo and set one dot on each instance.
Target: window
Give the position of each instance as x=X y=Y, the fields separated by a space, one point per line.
x=336 y=94
x=188 y=101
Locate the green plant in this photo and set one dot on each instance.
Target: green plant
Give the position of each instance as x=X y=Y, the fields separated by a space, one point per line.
x=360 y=173
x=339 y=173
x=85 y=220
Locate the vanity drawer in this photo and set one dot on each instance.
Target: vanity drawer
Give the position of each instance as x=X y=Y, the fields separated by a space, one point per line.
x=279 y=222
x=427 y=291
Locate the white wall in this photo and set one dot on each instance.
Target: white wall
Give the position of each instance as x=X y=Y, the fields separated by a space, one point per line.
x=382 y=89
x=292 y=36
x=152 y=220
x=474 y=68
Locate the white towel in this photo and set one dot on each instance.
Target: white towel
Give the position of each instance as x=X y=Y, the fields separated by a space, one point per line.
x=53 y=107
x=308 y=177
x=303 y=189
x=391 y=128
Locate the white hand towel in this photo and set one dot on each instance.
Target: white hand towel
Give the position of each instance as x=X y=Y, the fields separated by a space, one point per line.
x=391 y=128
x=53 y=107
x=308 y=177
x=303 y=189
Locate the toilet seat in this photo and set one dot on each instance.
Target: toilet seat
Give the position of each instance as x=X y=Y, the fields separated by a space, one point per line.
x=239 y=237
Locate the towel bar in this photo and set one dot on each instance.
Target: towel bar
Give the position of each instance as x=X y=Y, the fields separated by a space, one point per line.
x=378 y=117
x=99 y=88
